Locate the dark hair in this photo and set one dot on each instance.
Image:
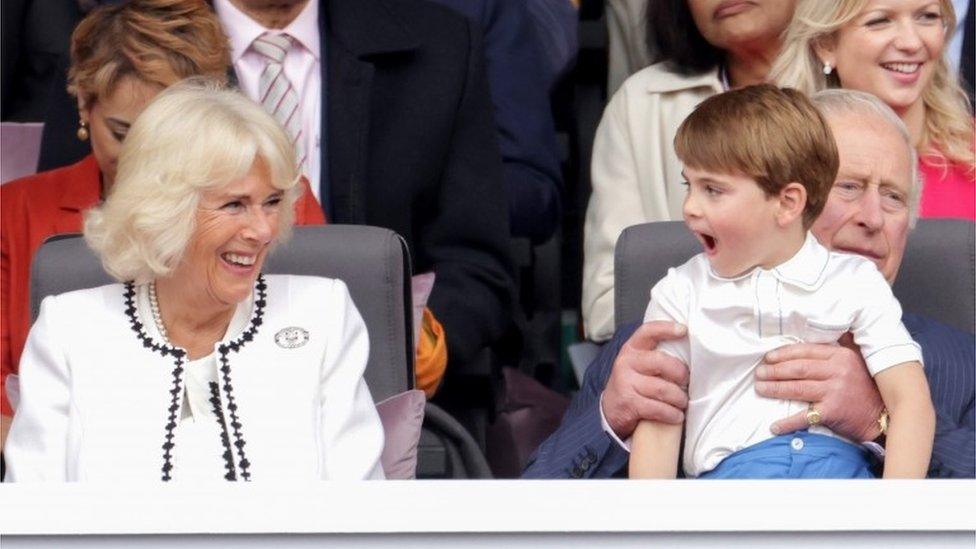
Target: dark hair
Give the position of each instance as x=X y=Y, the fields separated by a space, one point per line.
x=672 y=32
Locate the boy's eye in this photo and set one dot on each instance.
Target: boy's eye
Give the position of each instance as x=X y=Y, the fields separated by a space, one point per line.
x=714 y=191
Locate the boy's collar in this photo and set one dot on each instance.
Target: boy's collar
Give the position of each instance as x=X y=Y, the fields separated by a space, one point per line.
x=805 y=270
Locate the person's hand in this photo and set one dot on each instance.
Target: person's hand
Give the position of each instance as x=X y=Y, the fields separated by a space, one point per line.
x=833 y=377
x=646 y=383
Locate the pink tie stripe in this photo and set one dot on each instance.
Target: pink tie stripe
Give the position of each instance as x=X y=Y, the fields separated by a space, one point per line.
x=278 y=96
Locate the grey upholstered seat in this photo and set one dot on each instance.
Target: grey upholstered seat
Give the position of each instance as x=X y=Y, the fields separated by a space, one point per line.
x=374 y=264
x=937 y=278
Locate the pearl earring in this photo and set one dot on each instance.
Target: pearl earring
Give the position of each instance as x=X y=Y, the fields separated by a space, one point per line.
x=827 y=69
x=82 y=132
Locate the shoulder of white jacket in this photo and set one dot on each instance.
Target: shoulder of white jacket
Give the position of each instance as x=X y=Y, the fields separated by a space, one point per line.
x=85 y=297
x=658 y=78
x=302 y=284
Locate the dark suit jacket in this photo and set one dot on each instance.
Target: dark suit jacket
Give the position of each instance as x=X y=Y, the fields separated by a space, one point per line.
x=581 y=449
x=520 y=94
x=411 y=147
x=35 y=36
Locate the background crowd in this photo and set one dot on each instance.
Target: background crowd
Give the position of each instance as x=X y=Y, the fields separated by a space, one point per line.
x=470 y=129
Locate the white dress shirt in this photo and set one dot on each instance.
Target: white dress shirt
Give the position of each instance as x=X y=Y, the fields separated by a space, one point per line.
x=302 y=68
x=814 y=297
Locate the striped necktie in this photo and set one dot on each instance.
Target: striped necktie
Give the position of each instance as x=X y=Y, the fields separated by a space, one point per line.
x=278 y=96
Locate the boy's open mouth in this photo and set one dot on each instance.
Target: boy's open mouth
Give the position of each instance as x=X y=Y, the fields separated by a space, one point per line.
x=708 y=241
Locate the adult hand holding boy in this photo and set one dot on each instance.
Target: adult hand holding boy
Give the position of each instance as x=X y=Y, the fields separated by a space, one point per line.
x=833 y=378
x=646 y=383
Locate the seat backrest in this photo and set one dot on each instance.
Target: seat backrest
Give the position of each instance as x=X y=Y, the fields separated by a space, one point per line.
x=373 y=262
x=937 y=278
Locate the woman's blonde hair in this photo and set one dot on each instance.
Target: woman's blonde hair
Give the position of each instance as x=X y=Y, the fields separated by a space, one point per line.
x=948 y=129
x=157 y=41
x=194 y=136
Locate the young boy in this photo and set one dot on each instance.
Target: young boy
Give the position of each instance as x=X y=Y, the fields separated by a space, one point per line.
x=759 y=163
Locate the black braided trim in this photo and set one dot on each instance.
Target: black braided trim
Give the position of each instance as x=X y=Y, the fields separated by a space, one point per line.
x=235 y=346
x=165 y=350
x=224 y=437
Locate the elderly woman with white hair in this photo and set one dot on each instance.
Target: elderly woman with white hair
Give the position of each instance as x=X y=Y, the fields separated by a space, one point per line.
x=196 y=366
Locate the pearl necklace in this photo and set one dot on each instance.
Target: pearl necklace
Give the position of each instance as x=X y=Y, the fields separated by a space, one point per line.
x=154 y=309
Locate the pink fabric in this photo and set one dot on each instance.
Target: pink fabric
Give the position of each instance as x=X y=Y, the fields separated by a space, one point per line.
x=948 y=192
x=402 y=416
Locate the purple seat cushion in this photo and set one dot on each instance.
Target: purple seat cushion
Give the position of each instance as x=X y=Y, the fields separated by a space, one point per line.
x=402 y=416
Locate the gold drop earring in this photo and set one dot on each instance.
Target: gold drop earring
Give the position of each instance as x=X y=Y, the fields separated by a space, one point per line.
x=82 y=132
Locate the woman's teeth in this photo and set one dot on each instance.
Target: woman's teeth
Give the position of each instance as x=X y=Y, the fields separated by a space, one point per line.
x=245 y=260
x=904 y=68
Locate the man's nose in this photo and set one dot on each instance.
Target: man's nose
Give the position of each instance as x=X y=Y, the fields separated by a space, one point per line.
x=870 y=215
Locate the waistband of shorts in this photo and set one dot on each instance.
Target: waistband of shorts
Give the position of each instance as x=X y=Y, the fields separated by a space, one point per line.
x=811 y=444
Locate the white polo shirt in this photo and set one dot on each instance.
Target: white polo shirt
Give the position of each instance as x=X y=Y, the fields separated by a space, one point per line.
x=815 y=297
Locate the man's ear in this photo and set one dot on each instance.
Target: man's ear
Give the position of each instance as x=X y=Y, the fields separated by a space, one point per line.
x=792 y=202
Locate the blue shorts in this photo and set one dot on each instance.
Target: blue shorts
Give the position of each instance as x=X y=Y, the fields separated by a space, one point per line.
x=798 y=455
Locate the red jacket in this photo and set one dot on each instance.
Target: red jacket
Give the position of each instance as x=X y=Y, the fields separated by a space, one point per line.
x=34 y=208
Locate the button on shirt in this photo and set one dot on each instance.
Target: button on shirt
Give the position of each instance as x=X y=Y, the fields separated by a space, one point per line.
x=302 y=68
x=815 y=297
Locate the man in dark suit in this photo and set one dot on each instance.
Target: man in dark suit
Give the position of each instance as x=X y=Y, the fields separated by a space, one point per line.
x=404 y=139
x=630 y=380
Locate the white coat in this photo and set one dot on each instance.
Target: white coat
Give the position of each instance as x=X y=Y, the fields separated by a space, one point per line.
x=100 y=394
x=636 y=175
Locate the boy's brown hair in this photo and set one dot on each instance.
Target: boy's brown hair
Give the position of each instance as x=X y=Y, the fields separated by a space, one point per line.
x=774 y=136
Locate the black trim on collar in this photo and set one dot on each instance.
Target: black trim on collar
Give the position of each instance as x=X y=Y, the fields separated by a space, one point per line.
x=179 y=356
x=224 y=437
x=224 y=349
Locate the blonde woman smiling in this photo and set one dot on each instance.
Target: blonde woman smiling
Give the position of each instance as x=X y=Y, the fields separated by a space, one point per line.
x=181 y=370
x=895 y=50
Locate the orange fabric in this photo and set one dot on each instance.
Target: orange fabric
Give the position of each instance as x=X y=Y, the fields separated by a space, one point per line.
x=431 y=354
x=36 y=207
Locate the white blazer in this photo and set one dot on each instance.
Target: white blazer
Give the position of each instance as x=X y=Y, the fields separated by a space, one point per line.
x=635 y=173
x=100 y=395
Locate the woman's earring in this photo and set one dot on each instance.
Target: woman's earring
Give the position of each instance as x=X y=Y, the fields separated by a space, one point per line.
x=82 y=132
x=827 y=69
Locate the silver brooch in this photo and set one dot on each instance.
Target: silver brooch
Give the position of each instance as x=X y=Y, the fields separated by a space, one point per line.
x=291 y=337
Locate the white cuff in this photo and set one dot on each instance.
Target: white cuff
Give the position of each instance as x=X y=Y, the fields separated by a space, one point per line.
x=876 y=449
x=606 y=428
